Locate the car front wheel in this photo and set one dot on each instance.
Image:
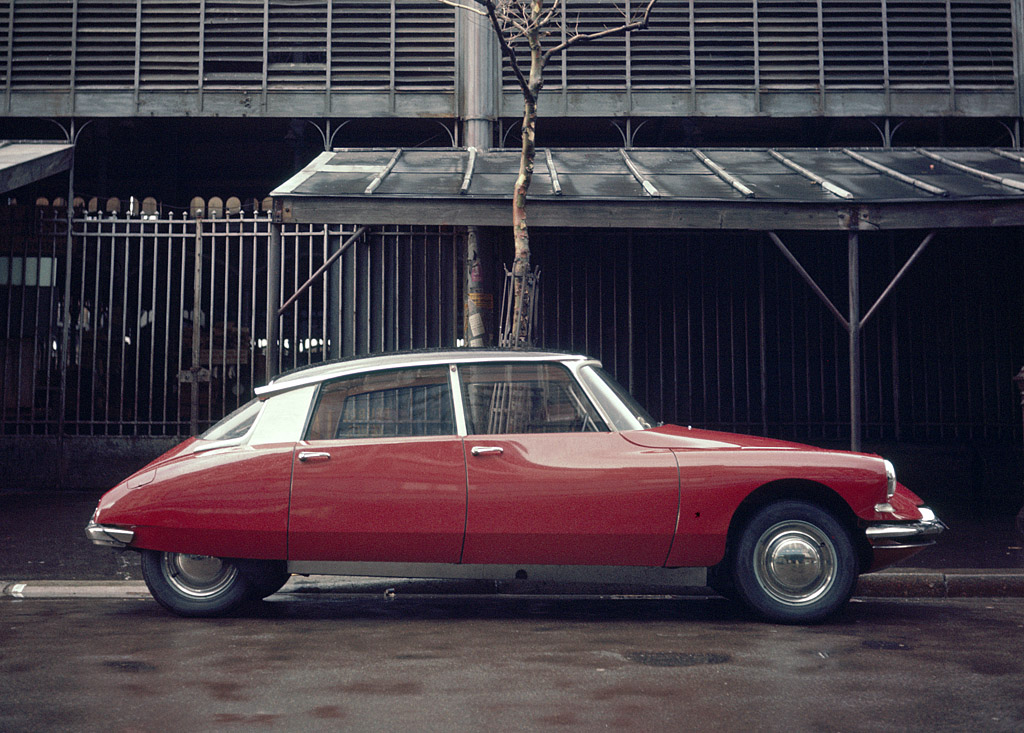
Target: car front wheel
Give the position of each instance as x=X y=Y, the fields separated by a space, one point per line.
x=194 y=585
x=794 y=563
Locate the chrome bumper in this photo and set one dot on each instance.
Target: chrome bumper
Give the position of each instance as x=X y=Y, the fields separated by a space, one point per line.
x=99 y=534
x=926 y=528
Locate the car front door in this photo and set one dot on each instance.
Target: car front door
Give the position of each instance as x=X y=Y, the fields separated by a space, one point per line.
x=380 y=475
x=549 y=484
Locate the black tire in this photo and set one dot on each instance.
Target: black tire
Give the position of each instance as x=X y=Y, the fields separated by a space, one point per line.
x=195 y=585
x=794 y=563
x=720 y=580
x=264 y=577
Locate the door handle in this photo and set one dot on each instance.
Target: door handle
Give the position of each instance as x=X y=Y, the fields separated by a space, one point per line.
x=314 y=456
x=486 y=450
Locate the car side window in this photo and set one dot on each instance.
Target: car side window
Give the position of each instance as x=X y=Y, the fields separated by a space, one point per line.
x=525 y=398
x=400 y=402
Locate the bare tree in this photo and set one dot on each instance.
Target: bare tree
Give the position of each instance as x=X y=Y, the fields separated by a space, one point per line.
x=538 y=27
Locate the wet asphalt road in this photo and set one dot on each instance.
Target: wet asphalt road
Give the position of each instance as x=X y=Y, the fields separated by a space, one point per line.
x=510 y=663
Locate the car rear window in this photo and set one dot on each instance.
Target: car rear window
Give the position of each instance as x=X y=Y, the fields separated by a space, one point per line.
x=400 y=402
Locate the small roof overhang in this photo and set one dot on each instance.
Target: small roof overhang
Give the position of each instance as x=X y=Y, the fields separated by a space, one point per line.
x=25 y=162
x=665 y=188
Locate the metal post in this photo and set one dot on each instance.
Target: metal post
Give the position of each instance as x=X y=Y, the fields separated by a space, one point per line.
x=853 y=245
x=197 y=327
x=66 y=332
x=273 y=300
x=481 y=65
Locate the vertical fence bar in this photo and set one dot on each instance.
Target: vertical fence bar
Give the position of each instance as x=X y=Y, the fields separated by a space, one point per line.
x=273 y=300
x=197 y=326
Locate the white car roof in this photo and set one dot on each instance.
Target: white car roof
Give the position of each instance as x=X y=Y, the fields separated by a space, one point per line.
x=329 y=370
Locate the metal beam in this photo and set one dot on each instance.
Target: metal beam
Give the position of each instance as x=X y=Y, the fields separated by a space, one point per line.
x=651 y=213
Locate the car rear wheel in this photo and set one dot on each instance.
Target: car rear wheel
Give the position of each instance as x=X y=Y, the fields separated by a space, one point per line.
x=194 y=585
x=794 y=563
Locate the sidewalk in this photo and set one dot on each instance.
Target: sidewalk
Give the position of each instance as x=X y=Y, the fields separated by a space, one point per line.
x=42 y=538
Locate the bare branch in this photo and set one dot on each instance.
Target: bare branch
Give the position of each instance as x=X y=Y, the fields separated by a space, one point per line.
x=548 y=16
x=506 y=49
x=471 y=9
x=572 y=40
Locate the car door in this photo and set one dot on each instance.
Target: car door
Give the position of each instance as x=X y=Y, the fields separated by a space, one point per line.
x=380 y=475
x=549 y=484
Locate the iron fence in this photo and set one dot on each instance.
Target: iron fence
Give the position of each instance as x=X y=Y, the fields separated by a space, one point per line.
x=168 y=315
x=168 y=321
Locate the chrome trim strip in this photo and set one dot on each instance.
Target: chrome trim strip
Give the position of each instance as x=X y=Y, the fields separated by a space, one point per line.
x=679 y=577
x=105 y=536
x=928 y=526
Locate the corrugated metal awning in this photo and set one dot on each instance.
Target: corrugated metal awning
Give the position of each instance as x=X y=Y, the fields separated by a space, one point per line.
x=25 y=162
x=666 y=188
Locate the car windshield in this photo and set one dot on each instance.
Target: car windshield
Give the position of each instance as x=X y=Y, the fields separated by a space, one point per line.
x=236 y=424
x=624 y=411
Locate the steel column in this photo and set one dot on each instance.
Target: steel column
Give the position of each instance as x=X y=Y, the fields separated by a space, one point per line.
x=855 y=327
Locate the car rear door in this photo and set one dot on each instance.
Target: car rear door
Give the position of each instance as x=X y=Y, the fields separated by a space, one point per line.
x=380 y=475
x=549 y=484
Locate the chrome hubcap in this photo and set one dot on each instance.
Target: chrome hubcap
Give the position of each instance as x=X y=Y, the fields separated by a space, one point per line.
x=795 y=563
x=198 y=576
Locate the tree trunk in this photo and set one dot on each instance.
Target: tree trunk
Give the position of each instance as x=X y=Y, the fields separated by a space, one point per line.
x=520 y=231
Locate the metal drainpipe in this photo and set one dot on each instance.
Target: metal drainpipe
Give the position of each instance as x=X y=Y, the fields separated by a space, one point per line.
x=481 y=67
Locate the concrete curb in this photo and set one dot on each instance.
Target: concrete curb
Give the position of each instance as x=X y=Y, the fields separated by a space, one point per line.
x=65 y=589
x=900 y=583
x=922 y=583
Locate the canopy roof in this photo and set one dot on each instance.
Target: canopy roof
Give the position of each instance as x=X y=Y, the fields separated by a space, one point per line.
x=25 y=162
x=665 y=188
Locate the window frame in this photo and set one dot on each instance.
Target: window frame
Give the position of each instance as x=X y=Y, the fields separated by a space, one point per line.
x=453 y=404
x=595 y=413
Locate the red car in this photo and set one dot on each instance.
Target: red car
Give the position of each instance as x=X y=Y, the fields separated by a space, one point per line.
x=501 y=465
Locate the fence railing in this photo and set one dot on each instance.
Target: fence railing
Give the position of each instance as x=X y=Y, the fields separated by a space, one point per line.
x=167 y=327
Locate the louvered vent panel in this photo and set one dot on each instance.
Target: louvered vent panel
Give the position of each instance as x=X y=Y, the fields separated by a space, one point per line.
x=854 y=44
x=41 y=56
x=169 y=57
x=599 y=64
x=361 y=44
x=233 y=44
x=424 y=45
x=5 y=50
x=724 y=44
x=661 y=53
x=982 y=44
x=105 y=48
x=787 y=42
x=297 y=47
x=918 y=46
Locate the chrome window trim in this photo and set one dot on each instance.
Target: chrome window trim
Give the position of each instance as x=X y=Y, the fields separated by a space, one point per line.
x=455 y=385
x=324 y=373
x=576 y=369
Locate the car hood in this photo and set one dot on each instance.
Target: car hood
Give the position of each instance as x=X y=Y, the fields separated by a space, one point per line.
x=676 y=437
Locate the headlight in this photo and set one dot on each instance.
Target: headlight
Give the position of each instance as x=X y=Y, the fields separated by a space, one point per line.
x=890 y=479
